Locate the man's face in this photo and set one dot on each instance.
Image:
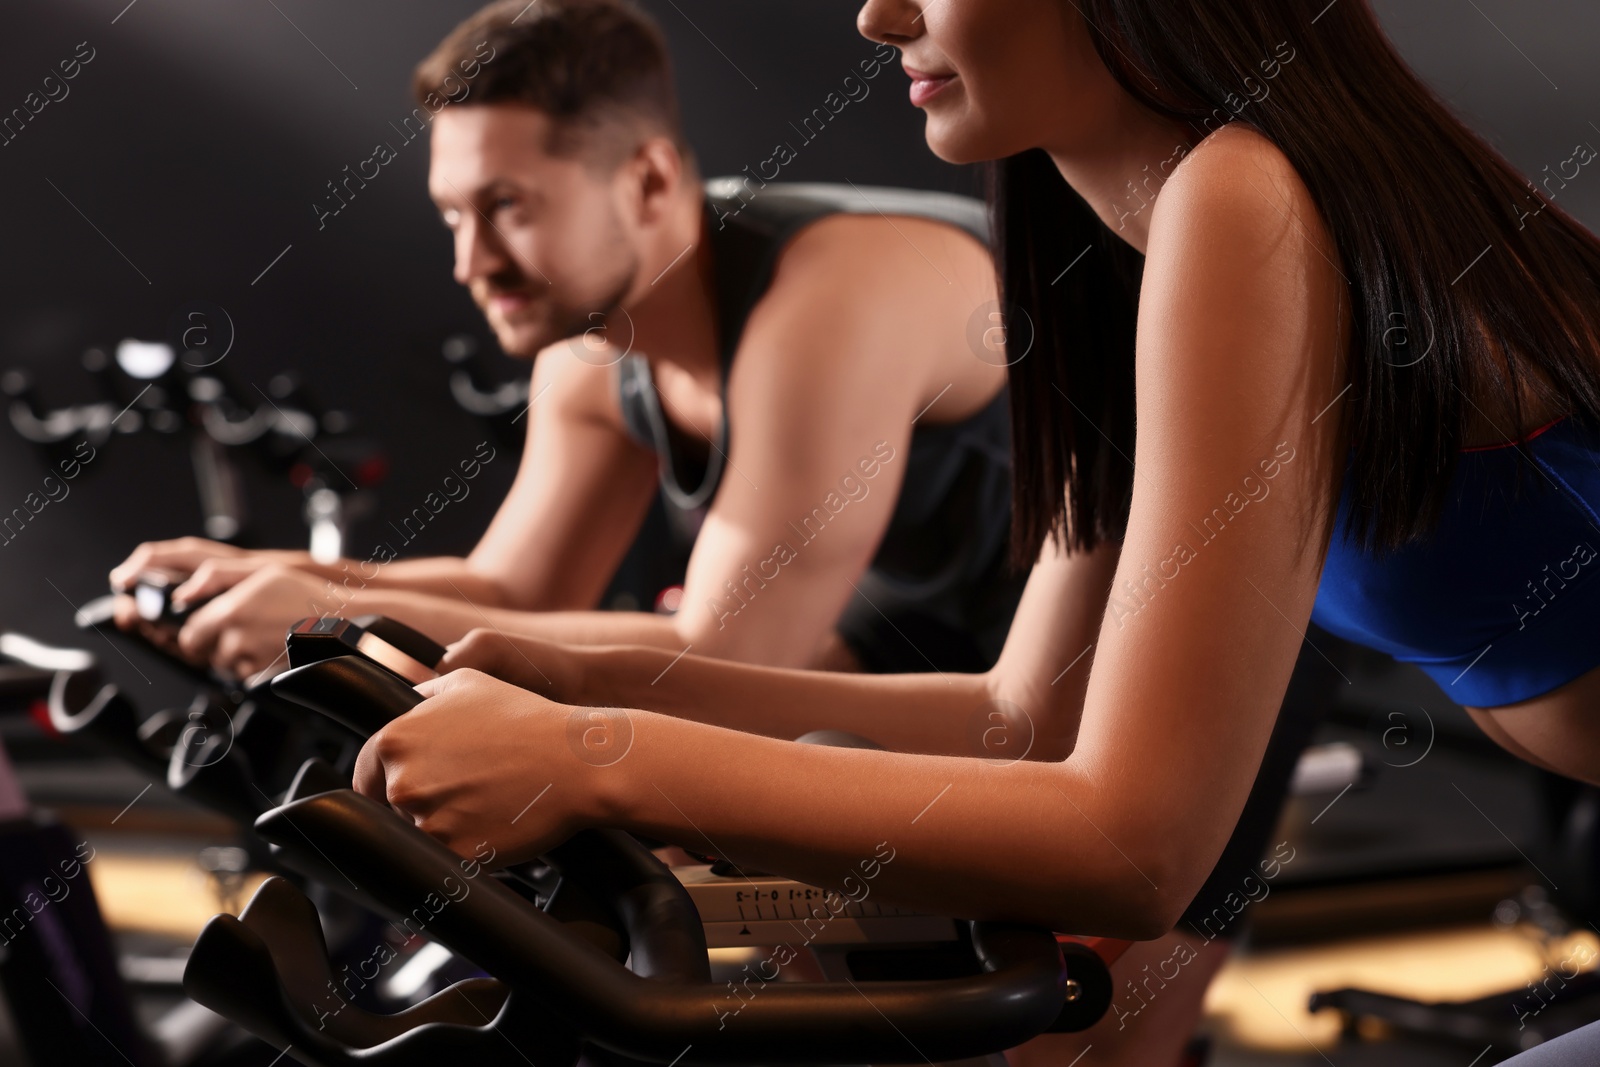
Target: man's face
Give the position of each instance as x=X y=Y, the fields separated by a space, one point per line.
x=539 y=240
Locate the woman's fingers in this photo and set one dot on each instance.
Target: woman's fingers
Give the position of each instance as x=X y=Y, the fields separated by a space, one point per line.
x=479 y=650
x=529 y=662
x=381 y=764
x=456 y=681
x=368 y=779
x=466 y=763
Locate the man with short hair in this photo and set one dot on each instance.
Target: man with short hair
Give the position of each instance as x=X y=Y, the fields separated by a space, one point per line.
x=801 y=368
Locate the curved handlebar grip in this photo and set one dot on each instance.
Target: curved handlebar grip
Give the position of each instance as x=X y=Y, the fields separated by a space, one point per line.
x=269 y=971
x=316 y=775
x=666 y=940
x=80 y=704
x=352 y=691
x=1018 y=996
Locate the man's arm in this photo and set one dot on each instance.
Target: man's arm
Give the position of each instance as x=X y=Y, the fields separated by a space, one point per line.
x=852 y=341
x=862 y=329
x=1026 y=707
x=863 y=324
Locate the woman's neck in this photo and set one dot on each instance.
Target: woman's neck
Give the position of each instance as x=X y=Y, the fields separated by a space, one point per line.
x=1121 y=172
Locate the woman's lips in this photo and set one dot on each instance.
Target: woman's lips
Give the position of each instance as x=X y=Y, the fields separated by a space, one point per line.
x=925 y=86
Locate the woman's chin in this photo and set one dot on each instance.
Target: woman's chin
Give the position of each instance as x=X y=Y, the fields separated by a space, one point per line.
x=955 y=141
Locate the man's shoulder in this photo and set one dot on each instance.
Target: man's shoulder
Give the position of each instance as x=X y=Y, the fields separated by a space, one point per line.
x=777 y=209
x=846 y=270
x=581 y=381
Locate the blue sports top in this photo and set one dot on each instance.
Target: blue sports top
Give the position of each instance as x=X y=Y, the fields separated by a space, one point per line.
x=1502 y=603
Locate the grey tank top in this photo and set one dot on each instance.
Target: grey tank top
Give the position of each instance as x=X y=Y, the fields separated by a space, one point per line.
x=943 y=554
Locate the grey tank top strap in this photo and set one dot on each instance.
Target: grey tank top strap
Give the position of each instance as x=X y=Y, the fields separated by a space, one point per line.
x=686 y=483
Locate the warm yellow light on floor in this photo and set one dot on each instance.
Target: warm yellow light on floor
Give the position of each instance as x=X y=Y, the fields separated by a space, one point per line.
x=1257 y=1001
x=158 y=894
x=1260 y=1001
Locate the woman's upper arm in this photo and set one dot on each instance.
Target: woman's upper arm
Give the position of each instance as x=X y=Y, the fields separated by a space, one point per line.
x=1238 y=457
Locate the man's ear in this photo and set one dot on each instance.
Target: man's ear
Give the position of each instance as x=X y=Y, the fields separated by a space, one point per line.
x=658 y=171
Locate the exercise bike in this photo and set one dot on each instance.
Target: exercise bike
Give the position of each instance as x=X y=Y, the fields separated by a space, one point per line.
x=184 y=394
x=236 y=764
x=597 y=950
x=60 y=973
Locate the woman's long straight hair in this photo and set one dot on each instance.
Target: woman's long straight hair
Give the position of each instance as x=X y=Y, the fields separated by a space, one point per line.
x=1444 y=245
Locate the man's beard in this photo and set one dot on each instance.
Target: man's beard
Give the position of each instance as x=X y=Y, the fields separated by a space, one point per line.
x=575 y=321
x=559 y=319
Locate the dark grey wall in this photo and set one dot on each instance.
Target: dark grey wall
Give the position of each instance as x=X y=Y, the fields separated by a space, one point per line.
x=192 y=147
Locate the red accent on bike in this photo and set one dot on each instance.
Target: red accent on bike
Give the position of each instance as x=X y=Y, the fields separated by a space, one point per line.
x=372 y=470
x=39 y=712
x=1109 y=949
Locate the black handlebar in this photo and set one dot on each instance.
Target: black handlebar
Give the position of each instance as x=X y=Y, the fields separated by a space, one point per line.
x=351 y=690
x=675 y=1014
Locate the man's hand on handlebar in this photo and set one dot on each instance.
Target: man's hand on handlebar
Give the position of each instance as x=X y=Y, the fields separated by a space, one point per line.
x=163 y=635
x=240 y=632
x=543 y=667
x=483 y=761
x=185 y=555
x=201 y=570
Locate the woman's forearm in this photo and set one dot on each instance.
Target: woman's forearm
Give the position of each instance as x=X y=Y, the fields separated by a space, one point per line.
x=447 y=618
x=451 y=577
x=586 y=628
x=1024 y=841
x=948 y=714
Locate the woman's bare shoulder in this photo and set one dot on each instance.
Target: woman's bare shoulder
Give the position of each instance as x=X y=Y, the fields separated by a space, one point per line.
x=1238 y=190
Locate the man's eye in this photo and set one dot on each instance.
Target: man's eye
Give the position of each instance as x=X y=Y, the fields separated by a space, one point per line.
x=505 y=203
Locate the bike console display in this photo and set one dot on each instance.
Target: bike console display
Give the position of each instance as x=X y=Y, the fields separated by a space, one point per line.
x=389 y=644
